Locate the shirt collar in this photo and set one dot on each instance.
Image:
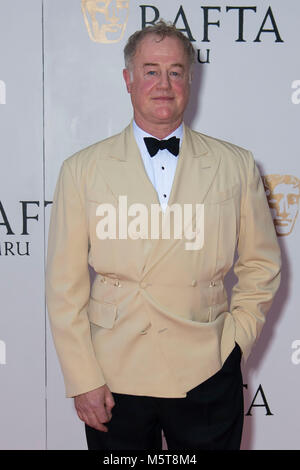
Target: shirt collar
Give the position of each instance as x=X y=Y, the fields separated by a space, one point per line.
x=139 y=135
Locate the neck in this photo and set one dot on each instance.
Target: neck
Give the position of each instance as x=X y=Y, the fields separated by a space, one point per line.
x=159 y=131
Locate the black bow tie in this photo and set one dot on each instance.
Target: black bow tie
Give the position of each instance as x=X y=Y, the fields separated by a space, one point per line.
x=154 y=145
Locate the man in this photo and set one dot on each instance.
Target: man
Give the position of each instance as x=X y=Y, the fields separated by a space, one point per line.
x=154 y=346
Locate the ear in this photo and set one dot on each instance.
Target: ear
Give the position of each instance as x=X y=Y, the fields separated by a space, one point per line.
x=127 y=78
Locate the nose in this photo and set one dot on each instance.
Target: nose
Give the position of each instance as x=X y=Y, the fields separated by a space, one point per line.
x=282 y=208
x=112 y=13
x=164 y=80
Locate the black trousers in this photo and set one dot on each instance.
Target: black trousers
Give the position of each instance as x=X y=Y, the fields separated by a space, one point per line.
x=210 y=417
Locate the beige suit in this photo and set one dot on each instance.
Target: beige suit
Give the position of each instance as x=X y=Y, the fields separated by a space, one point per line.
x=157 y=321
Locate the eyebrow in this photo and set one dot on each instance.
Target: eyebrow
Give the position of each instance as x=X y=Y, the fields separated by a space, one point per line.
x=177 y=65
x=150 y=64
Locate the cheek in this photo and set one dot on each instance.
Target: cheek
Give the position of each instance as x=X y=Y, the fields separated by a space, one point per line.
x=293 y=209
x=181 y=91
x=143 y=90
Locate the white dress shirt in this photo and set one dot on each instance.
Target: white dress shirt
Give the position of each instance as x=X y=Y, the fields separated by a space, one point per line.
x=160 y=168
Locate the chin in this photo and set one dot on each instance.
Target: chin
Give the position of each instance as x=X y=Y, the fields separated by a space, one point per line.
x=165 y=115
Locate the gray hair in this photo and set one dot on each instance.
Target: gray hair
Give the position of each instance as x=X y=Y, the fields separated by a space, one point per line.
x=162 y=30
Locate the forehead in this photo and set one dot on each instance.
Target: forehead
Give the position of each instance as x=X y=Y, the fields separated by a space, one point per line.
x=153 y=49
x=285 y=188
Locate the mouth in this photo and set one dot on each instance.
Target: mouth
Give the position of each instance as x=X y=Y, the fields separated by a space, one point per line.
x=163 y=98
x=282 y=223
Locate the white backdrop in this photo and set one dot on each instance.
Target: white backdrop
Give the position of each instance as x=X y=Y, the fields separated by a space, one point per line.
x=61 y=89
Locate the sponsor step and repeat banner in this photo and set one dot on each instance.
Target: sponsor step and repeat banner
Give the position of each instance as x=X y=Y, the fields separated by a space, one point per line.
x=61 y=89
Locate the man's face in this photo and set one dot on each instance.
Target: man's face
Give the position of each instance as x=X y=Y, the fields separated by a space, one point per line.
x=284 y=204
x=105 y=20
x=158 y=81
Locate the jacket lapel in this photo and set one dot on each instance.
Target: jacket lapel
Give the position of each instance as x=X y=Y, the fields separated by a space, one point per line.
x=195 y=172
x=124 y=171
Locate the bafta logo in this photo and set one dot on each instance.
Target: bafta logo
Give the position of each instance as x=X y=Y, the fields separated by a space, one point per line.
x=105 y=20
x=283 y=194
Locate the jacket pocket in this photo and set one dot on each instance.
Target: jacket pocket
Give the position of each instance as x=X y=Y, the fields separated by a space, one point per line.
x=102 y=313
x=222 y=196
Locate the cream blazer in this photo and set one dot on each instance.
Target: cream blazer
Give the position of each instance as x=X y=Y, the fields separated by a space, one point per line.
x=156 y=320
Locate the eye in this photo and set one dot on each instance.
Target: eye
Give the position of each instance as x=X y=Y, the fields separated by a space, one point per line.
x=272 y=201
x=176 y=74
x=292 y=199
x=151 y=73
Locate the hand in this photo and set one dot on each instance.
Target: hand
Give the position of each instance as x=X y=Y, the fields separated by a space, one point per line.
x=94 y=407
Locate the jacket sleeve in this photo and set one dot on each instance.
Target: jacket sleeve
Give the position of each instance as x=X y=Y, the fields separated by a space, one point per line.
x=258 y=265
x=68 y=287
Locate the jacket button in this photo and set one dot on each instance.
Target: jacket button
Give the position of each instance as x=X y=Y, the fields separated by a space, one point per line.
x=143 y=285
x=212 y=284
x=117 y=283
x=194 y=282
